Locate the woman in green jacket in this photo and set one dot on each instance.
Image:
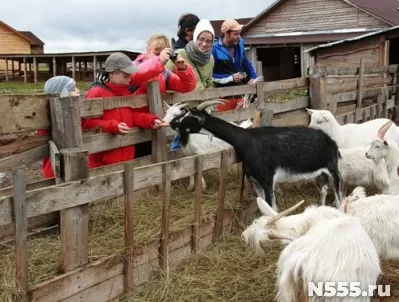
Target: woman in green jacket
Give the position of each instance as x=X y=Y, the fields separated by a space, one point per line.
x=198 y=54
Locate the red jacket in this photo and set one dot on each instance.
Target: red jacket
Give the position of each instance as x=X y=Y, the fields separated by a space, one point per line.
x=109 y=123
x=180 y=81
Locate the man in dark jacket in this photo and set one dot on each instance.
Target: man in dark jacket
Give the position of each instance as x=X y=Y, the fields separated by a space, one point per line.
x=186 y=24
x=232 y=66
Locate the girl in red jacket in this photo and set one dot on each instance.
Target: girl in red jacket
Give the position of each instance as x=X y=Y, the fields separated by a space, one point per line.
x=65 y=87
x=158 y=52
x=114 y=81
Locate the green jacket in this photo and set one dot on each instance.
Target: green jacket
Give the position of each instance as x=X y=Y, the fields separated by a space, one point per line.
x=203 y=73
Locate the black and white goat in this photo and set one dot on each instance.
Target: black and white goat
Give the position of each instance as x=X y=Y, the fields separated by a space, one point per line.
x=271 y=154
x=198 y=143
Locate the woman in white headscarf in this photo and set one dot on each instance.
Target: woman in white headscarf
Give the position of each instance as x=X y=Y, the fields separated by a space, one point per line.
x=198 y=54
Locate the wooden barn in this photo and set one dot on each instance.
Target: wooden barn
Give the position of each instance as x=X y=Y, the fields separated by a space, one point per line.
x=379 y=48
x=280 y=34
x=13 y=41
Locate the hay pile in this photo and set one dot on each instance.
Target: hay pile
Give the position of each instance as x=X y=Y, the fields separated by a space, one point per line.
x=231 y=272
x=106 y=229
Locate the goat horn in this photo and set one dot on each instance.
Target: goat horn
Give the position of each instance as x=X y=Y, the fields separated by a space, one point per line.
x=206 y=104
x=284 y=213
x=273 y=235
x=166 y=104
x=383 y=130
x=176 y=104
x=180 y=106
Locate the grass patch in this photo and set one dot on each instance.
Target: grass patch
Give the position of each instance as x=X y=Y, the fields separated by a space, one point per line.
x=14 y=87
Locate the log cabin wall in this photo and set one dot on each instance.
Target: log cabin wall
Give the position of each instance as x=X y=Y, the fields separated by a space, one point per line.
x=312 y=15
x=349 y=54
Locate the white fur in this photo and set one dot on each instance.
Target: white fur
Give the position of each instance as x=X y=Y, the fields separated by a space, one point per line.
x=200 y=143
x=387 y=151
x=349 y=135
x=325 y=245
x=358 y=170
x=379 y=215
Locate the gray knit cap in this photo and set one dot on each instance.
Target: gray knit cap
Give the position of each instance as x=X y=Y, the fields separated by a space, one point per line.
x=62 y=85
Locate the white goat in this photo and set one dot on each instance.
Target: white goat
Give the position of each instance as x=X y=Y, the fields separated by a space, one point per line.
x=199 y=143
x=379 y=215
x=357 y=170
x=349 y=135
x=324 y=244
x=383 y=149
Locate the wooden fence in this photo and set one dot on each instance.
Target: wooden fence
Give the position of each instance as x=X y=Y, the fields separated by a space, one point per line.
x=25 y=207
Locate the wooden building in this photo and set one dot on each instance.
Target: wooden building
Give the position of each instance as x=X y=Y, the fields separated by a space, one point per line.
x=379 y=48
x=280 y=34
x=13 y=41
x=81 y=66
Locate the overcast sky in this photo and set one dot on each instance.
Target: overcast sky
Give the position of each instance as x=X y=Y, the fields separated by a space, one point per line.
x=92 y=25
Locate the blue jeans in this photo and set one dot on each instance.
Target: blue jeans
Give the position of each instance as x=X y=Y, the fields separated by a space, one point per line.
x=175 y=144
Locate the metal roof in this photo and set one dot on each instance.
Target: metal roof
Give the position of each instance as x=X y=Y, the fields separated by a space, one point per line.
x=375 y=33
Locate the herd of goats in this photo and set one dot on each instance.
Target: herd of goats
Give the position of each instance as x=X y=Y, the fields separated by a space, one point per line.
x=340 y=243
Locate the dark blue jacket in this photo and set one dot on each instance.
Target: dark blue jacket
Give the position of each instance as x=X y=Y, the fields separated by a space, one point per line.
x=225 y=66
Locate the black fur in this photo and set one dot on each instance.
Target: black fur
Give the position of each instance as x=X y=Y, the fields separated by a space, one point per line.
x=262 y=150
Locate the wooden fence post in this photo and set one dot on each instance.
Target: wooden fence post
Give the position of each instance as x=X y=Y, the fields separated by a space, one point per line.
x=359 y=92
x=318 y=88
x=74 y=222
x=164 y=248
x=159 y=151
x=199 y=163
x=21 y=244
x=396 y=108
x=129 y=241
x=218 y=230
x=159 y=148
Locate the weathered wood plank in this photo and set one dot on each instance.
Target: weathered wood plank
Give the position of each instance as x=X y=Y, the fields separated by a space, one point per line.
x=198 y=203
x=355 y=70
x=352 y=96
x=74 y=222
x=77 y=281
x=24 y=158
x=290 y=105
x=318 y=90
x=163 y=250
x=21 y=243
x=221 y=196
x=349 y=83
x=55 y=158
x=22 y=143
x=67 y=195
x=106 y=141
x=286 y=84
x=24 y=112
x=128 y=182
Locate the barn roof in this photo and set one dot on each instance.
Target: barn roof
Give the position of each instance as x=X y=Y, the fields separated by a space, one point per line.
x=27 y=35
x=217 y=24
x=393 y=30
x=385 y=10
x=33 y=37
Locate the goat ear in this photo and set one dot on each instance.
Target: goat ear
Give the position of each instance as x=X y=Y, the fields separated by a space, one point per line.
x=310 y=111
x=264 y=207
